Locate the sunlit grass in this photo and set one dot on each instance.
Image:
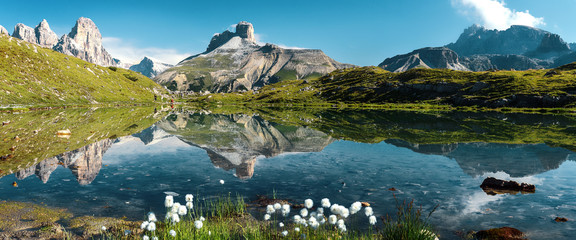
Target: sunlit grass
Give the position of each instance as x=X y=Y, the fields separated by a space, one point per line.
x=227 y=217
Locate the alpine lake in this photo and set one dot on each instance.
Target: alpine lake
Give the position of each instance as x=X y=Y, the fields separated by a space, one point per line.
x=121 y=162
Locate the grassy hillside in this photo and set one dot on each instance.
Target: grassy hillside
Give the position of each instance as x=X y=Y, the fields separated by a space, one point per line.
x=553 y=88
x=33 y=75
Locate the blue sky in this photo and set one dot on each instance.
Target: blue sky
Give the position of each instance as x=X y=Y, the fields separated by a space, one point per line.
x=362 y=32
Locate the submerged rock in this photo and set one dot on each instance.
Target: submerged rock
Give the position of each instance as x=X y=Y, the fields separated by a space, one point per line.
x=493 y=186
x=503 y=233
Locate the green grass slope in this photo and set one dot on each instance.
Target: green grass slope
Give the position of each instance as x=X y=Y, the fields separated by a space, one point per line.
x=33 y=75
x=555 y=88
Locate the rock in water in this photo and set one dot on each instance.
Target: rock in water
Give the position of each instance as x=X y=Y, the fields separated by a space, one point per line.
x=44 y=35
x=493 y=186
x=85 y=42
x=503 y=233
x=3 y=31
x=25 y=33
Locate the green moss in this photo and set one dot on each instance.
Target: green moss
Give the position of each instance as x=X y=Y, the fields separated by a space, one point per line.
x=15 y=216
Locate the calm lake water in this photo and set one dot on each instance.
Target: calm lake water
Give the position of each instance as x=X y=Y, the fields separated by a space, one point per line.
x=434 y=159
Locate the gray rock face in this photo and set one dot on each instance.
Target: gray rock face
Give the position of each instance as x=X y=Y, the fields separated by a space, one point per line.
x=440 y=57
x=44 y=35
x=515 y=40
x=245 y=30
x=150 y=68
x=85 y=42
x=25 y=33
x=3 y=31
x=41 y=35
x=551 y=46
x=479 y=49
x=234 y=62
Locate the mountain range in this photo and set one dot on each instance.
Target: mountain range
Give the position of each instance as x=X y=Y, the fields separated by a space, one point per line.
x=234 y=61
x=481 y=49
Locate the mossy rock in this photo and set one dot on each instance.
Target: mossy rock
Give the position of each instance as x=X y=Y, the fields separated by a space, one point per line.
x=18 y=216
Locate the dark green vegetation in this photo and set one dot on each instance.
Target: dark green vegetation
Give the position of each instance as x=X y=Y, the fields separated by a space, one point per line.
x=420 y=88
x=33 y=75
x=31 y=137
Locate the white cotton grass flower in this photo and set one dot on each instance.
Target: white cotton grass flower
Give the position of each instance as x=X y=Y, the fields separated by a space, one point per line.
x=172 y=233
x=325 y=202
x=144 y=225
x=297 y=218
x=151 y=227
x=175 y=217
x=285 y=210
x=344 y=212
x=221 y=181
x=154 y=238
x=320 y=210
x=266 y=217
x=202 y=219
x=368 y=211
x=182 y=210
x=342 y=228
x=356 y=207
x=335 y=208
x=189 y=205
x=145 y=237
x=296 y=229
x=281 y=224
x=270 y=209
x=308 y=203
x=304 y=212
x=277 y=206
x=198 y=224
x=340 y=222
x=169 y=201
x=332 y=219
x=176 y=207
x=285 y=233
x=313 y=214
x=152 y=217
x=189 y=197
x=103 y=228
x=372 y=220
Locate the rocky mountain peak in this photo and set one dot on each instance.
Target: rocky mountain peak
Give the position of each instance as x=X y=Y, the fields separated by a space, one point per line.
x=245 y=30
x=431 y=57
x=150 y=67
x=552 y=43
x=85 y=42
x=514 y=40
x=44 y=35
x=3 y=31
x=25 y=33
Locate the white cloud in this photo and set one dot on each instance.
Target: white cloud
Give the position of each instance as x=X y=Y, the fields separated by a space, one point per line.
x=127 y=52
x=493 y=14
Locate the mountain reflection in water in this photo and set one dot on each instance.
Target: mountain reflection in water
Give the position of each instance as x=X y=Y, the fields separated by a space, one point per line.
x=236 y=141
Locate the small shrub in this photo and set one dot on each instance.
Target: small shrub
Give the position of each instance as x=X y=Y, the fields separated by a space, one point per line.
x=131 y=77
x=113 y=68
